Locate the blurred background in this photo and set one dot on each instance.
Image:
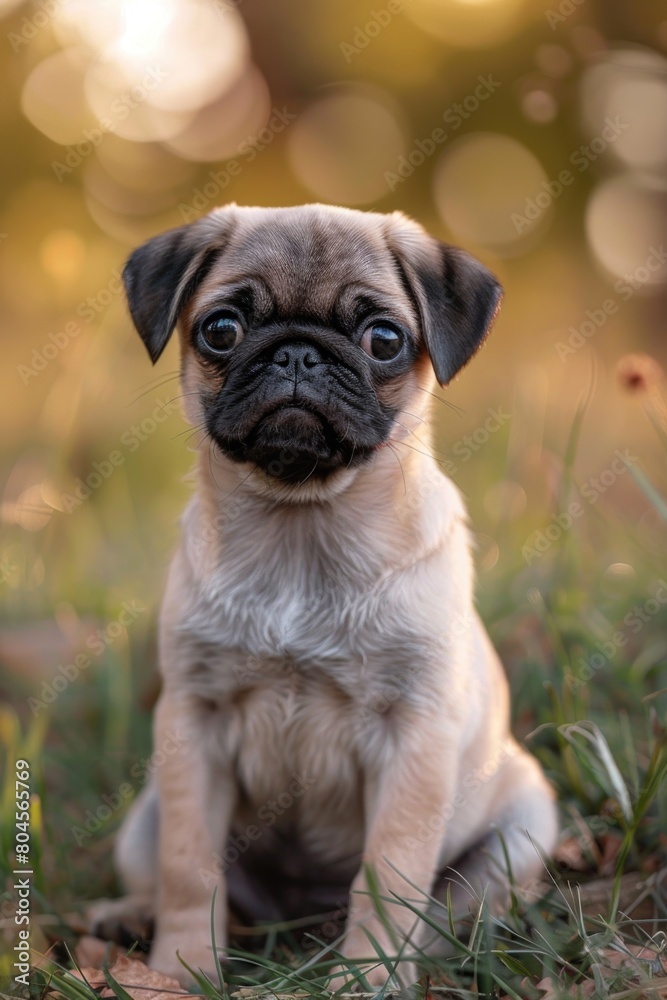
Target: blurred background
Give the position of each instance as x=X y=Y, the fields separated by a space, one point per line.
x=531 y=132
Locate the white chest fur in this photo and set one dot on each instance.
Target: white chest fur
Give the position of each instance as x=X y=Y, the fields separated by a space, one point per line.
x=307 y=635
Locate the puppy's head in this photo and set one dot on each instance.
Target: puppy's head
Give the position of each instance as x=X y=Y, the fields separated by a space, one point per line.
x=305 y=331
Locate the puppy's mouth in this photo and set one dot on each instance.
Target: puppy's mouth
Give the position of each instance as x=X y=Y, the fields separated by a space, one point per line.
x=293 y=442
x=298 y=411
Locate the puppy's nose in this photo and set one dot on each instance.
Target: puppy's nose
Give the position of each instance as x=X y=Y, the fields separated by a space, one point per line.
x=297 y=355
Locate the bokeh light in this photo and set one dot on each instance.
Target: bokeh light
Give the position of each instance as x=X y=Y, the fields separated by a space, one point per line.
x=625 y=228
x=343 y=144
x=127 y=117
x=483 y=186
x=540 y=106
x=219 y=128
x=62 y=254
x=554 y=60
x=630 y=86
x=124 y=118
x=53 y=99
x=178 y=54
x=468 y=23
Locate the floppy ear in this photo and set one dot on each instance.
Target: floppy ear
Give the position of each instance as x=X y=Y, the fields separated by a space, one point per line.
x=457 y=298
x=162 y=274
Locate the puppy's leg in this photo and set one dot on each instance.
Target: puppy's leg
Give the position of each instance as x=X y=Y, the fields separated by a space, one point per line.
x=135 y=860
x=413 y=784
x=135 y=857
x=524 y=830
x=196 y=801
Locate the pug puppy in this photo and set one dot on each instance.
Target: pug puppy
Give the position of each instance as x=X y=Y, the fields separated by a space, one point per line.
x=336 y=715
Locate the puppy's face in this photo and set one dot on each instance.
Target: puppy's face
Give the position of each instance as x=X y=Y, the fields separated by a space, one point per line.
x=305 y=331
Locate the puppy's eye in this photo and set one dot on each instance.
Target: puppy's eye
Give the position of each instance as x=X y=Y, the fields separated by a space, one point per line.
x=382 y=342
x=220 y=332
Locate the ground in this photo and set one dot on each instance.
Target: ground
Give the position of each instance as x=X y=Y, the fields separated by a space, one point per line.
x=572 y=587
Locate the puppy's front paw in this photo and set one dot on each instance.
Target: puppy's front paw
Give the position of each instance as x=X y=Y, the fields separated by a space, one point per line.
x=358 y=951
x=124 y=920
x=376 y=976
x=196 y=953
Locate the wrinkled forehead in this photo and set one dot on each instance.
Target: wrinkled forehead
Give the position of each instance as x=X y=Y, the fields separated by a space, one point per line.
x=307 y=261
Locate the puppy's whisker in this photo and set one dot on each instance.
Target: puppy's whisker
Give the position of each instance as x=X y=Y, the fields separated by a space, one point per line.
x=409 y=430
x=431 y=450
x=426 y=444
x=400 y=465
x=457 y=409
x=211 y=444
x=162 y=377
x=345 y=435
x=181 y=395
x=416 y=416
x=199 y=443
x=428 y=454
x=152 y=388
x=277 y=490
x=237 y=487
x=302 y=481
x=188 y=430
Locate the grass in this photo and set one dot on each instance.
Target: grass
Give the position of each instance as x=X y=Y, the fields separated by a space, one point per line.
x=585 y=644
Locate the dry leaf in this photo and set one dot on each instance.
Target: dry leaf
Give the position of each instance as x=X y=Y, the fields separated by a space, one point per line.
x=611 y=845
x=637 y=960
x=137 y=979
x=570 y=855
x=554 y=991
x=94 y=977
x=91 y=952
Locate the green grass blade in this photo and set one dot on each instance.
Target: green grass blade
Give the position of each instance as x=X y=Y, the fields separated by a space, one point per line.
x=117 y=989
